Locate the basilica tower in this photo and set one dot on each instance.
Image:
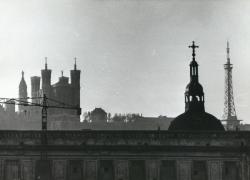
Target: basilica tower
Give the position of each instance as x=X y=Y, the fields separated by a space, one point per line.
x=46 y=79
x=22 y=93
x=75 y=84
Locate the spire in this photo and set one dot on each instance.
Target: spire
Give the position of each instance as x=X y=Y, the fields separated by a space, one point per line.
x=75 y=64
x=229 y=115
x=194 y=95
x=46 y=65
x=228 y=50
x=22 y=74
x=62 y=73
x=193 y=64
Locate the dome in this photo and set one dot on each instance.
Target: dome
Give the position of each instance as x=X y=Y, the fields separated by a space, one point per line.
x=194 y=88
x=193 y=121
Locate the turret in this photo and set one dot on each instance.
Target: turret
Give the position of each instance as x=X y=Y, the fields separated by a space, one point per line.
x=194 y=95
x=22 y=93
x=75 y=84
x=46 y=79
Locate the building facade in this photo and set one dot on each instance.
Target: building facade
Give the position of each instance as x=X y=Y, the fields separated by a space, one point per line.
x=127 y=155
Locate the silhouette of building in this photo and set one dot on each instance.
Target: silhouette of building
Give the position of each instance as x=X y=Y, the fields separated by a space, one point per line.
x=195 y=118
x=209 y=154
x=23 y=94
x=62 y=93
x=98 y=115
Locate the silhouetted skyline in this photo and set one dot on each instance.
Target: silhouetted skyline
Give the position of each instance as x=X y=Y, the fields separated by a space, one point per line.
x=133 y=54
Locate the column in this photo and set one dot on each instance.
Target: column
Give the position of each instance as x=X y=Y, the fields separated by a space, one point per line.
x=27 y=170
x=184 y=170
x=214 y=170
x=90 y=170
x=1 y=169
x=121 y=170
x=59 y=169
x=152 y=167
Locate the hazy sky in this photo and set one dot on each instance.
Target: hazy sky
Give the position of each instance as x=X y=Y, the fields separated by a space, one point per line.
x=133 y=54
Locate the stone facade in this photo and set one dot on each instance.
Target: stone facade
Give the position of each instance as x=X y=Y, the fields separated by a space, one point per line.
x=127 y=155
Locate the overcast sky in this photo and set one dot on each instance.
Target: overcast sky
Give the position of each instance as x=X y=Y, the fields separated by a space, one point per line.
x=133 y=55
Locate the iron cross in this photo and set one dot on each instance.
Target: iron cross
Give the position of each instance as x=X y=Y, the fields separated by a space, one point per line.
x=193 y=47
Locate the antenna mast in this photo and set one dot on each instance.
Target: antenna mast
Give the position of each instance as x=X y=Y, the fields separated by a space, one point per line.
x=229 y=116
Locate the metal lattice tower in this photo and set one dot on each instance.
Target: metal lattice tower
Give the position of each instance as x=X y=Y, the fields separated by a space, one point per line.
x=229 y=116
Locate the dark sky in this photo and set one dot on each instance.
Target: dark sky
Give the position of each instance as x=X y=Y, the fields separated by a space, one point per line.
x=134 y=55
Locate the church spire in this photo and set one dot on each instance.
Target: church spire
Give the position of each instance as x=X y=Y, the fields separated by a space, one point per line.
x=194 y=96
x=22 y=74
x=193 y=64
x=195 y=118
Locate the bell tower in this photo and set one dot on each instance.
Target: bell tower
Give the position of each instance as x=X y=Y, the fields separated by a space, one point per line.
x=22 y=93
x=46 y=79
x=194 y=95
x=75 y=84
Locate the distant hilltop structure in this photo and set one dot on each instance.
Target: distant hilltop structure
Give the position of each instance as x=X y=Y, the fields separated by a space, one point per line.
x=63 y=92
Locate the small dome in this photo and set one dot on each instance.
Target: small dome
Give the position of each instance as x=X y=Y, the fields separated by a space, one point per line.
x=193 y=63
x=194 y=88
x=190 y=121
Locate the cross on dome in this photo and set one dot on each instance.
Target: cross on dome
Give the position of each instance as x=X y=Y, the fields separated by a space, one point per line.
x=193 y=46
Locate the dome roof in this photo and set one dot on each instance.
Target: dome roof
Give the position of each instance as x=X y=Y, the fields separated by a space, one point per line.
x=193 y=121
x=194 y=88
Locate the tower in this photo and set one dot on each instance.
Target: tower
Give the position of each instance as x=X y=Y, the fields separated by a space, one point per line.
x=194 y=95
x=75 y=84
x=229 y=116
x=195 y=118
x=22 y=93
x=35 y=88
x=46 y=79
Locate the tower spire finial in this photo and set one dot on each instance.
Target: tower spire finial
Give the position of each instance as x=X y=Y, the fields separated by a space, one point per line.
x=193 y=47
x=22 y=74
x=75 y=63
x=46 y=65
x=228 y=50
x=62 y=73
